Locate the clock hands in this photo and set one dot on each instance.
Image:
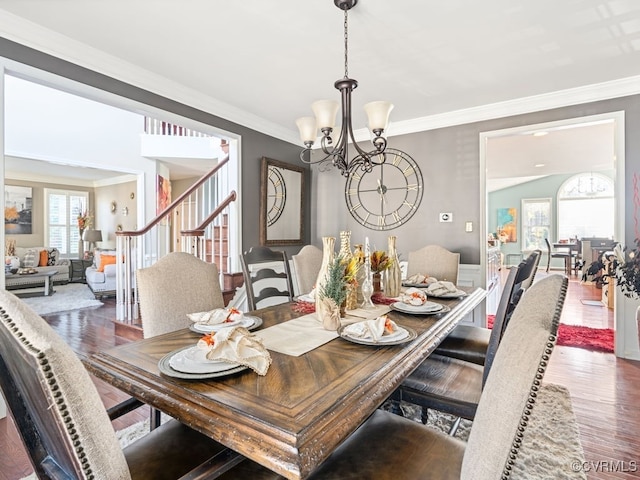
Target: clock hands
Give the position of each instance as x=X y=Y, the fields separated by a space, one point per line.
x=382 y=190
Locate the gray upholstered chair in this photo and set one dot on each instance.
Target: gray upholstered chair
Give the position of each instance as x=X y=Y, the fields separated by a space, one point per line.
x=390 y=447
x=435 y=261
x=470 y=343
x=62 y=421
x=267 y=277
x=306 y=264
x=177 y=284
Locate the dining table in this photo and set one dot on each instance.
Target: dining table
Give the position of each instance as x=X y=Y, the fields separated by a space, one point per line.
x=291 y=419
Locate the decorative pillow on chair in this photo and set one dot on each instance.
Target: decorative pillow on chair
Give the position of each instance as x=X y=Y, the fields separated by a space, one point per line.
x=31 y=258
x=106 y=260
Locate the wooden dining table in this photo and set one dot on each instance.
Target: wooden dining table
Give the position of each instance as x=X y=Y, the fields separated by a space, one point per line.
x=294 y=417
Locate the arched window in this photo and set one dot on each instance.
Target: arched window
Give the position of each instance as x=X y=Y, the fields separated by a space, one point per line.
x=586 y=206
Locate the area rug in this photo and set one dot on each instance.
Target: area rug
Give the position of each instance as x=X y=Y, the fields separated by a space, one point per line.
x=596 y=339
x=72 y=296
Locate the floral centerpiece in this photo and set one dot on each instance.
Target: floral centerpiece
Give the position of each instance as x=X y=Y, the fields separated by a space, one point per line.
x=380 y=262
x=85 y=220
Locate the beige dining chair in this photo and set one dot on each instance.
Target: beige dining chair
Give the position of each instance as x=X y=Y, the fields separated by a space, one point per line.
x=391 y=447
x=306 y=265
x=176 y=285
x=434 y=261
x=63 y=424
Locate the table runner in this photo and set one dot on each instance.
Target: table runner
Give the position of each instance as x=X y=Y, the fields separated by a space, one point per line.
x=303 y=334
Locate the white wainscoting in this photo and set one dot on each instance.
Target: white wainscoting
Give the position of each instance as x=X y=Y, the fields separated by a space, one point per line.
x=471 y=276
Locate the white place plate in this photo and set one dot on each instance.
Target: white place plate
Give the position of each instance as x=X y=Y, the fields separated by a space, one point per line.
x=249 y=322
x=416 y=285
x=401 y=335
x=428 y=308
x=220 y=370
x=194 y=360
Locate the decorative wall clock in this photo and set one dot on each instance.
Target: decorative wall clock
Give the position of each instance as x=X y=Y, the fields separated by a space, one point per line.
x=389 y=195
x=276 y=195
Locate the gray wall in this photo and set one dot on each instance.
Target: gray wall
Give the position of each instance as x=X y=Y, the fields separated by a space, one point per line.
x=255 y=145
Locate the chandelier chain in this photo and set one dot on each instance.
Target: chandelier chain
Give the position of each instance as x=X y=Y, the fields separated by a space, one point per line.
x=346 y=44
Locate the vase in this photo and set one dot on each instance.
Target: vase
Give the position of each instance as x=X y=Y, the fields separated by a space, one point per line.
x=81 y=247
x=358 y=253
x=377 y=282
x=328 y=254
x=393 y=274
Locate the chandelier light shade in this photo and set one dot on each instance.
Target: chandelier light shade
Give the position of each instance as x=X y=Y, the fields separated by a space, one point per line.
x=325 y=111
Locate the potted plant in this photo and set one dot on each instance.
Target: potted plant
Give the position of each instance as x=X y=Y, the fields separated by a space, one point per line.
x=625 y=270
x=332 y=294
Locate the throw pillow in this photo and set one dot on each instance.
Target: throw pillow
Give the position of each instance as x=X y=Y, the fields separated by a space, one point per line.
x=106 y=260
x=44 y=258
x=52 y=257
x=31 y=259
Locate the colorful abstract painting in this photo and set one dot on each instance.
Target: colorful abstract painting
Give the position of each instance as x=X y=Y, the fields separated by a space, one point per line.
x=507 y=226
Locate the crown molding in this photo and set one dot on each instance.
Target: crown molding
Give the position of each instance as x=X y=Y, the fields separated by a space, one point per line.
x=27 y=33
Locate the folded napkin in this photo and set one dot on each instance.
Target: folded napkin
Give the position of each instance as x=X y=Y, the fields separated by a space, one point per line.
x=413 y=296
x=371 y=329
x=441 y=288
x=216 y=316
x=418 y=278
x=237 y=345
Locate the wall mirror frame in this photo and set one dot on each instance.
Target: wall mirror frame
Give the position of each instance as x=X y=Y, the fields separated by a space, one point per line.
x=282 y=196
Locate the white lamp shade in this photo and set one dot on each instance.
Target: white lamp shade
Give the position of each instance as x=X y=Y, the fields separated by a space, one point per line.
x=307 y=128
x=378 y=114
x=325 y=112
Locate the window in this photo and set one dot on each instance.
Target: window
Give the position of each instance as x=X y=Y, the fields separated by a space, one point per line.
x=586 y=206
x=536 y=223
x=61 y=224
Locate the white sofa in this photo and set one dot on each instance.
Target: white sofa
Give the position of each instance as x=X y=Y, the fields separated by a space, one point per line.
x=102 y=283
x=30 y=257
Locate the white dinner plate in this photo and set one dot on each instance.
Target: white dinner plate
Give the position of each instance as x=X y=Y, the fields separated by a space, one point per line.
x=306 y=298
x=194 y=360
x=457 y=294
x=220 y=371
x=401 y=335
x=425 y=309
x=249 y=322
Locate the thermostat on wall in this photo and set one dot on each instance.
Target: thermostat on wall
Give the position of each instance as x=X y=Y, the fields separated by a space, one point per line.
x=446 y=217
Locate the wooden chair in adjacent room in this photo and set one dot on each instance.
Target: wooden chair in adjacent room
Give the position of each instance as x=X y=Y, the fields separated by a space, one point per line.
x=469 y=342
x=390 y=447
x=306 y=264
x=267 y=277
x=63 y=424
x=434 y=261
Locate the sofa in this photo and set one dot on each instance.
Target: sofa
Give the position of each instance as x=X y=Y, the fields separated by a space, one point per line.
x=101 y=275
x=41 y=259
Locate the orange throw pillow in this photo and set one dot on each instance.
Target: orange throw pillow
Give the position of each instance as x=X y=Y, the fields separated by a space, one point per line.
x=44 y=258
x=106 y=260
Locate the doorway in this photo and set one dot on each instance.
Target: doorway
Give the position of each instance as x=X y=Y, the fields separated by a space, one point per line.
x=527 y=162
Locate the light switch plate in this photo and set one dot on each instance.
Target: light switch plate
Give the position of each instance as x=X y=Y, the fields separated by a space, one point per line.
x=446 y=217
x=468 y=227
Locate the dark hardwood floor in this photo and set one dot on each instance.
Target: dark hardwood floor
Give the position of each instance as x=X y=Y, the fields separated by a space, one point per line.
x=604 y=389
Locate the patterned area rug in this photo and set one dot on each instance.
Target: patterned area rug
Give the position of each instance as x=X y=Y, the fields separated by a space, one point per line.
x=72 y=296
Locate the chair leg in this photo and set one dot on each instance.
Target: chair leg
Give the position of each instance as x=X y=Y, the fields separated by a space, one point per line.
x=424 y=417
x=454 y=426
x=155 y=418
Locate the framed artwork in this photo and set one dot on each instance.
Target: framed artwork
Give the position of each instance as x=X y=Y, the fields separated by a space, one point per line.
x=18 y=202
x=163 y=194
x=507 y=227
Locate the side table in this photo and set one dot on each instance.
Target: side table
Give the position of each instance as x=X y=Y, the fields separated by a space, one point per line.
x=77 y=268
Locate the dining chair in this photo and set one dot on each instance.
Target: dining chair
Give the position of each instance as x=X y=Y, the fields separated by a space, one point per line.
x=176 y=285
x=435 y=261
x=62 y=422
x=306 y=264
x=448 y=384
x=391 y=447
x=470 y=342
x=565 y=255
x=267 y=277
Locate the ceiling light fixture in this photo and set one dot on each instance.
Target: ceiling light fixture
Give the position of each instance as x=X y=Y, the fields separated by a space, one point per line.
x=325 y=116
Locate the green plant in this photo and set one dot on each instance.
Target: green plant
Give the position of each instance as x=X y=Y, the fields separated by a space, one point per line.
x=627 y=272
x=336 y=285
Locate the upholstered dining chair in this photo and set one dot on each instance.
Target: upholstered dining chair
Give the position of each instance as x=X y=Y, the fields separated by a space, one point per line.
x=565 y=255
x=435 y=261
x=390 y=447
x=176 y=285
x=307 y=263
x=451 y=385
x=267 y=277
x=62 y=421
x=469 y=342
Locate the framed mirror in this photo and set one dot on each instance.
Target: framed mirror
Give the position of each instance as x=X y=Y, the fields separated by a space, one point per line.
x=281 y=203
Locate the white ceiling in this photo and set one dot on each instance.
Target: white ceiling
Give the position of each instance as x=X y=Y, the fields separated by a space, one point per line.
x=262 y=62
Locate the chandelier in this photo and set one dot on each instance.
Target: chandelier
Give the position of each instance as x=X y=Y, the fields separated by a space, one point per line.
x=325 y=111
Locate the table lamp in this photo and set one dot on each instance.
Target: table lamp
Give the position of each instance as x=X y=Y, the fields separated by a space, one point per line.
x=92 y=236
